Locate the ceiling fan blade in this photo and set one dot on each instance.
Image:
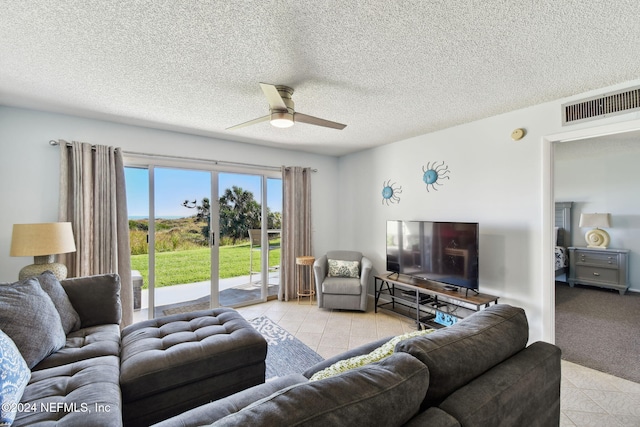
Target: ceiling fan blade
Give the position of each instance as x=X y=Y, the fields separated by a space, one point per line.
x=303 y=118
x=273 y=96
x=250 y=122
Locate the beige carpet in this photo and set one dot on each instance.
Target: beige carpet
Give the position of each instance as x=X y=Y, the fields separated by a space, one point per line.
x=598 y=328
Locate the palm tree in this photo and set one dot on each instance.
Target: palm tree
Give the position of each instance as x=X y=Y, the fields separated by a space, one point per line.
x=239 y=212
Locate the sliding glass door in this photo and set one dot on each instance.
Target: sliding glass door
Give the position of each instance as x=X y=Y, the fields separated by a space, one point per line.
x=191 y=253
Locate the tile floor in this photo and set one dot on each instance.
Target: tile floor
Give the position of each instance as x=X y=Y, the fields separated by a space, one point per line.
x=588 y=397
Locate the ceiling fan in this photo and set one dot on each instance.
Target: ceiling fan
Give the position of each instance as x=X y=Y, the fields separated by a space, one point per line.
x=282 y=113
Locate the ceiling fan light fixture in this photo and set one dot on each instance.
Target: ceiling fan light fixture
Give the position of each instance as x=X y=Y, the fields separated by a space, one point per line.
x=281 y=119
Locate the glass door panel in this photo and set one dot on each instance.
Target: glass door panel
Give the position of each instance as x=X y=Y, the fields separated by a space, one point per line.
x=182 y=261
x=240 y=243
x=137 y=179
x=274 y=224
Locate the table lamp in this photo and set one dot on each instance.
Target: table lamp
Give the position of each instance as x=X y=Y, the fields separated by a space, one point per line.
x=596 y=238
x=42 y=242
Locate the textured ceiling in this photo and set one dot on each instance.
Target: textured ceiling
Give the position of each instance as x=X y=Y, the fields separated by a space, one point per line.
x=388 y=69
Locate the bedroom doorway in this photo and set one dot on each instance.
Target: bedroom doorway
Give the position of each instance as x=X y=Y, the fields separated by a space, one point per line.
x=594 y=326
x=548 y=209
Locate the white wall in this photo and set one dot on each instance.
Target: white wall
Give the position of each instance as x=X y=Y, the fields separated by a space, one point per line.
x=29 y=168
x=603 y=176
x=504 y=185
x=495 y=181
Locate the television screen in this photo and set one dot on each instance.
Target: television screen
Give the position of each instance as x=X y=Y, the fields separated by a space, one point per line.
x=445 y=252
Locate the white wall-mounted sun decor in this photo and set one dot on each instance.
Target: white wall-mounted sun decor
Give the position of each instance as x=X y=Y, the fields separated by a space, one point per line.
x=390 y=192
x=433 y=173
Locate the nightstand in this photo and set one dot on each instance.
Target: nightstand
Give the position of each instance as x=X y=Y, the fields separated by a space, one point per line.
x=604 y=268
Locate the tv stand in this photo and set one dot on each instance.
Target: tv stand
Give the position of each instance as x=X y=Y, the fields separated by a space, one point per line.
x=428 y=301
x=466 y=292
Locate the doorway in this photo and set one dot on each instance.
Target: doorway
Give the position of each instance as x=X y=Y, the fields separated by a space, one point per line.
x=548 y=204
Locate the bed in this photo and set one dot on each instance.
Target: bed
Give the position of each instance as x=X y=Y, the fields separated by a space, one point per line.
x=563 y=236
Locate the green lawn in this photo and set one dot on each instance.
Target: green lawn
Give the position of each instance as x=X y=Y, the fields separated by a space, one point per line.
x=194 y=265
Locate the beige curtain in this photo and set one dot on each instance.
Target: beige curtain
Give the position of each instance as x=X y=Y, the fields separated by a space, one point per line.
x=296 y=226
x=93 y=199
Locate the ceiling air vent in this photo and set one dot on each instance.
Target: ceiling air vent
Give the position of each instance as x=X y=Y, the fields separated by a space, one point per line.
x=601 y=106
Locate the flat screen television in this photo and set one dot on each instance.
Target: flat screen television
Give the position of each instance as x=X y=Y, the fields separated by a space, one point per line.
x=445 y=252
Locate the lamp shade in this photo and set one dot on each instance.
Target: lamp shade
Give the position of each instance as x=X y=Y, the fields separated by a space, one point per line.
x=598 y=220
x=281 y=119
x=42 y=239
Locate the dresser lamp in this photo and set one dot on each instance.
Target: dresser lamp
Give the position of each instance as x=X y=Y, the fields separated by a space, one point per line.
x=42 y=242
x=596 y=237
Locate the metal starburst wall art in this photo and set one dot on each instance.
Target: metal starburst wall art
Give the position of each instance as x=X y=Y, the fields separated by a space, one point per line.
x=433 y=173
x=390 y=192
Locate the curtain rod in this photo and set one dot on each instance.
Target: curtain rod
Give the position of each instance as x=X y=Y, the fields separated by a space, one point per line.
x=54 y=142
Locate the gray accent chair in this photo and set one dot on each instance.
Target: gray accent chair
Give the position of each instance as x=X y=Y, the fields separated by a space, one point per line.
x=343 y=293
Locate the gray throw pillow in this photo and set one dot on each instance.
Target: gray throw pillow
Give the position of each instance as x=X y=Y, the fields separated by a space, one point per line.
x=14 y=375
x=68 y=315
x=29 y=317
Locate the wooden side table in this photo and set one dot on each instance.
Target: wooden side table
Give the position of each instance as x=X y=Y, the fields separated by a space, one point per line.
x=305 y=288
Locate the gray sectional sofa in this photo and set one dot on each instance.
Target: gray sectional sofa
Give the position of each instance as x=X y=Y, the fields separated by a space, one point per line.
x=479 y=372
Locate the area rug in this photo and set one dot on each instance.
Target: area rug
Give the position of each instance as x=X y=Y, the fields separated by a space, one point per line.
x=285 y=353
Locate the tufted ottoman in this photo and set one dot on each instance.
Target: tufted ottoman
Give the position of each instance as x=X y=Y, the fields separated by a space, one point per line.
x=178 y=362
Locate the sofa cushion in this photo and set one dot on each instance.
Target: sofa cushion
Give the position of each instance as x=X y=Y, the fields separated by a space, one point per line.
x=211 y=412
x=341 y=286
x=457 y=354
x=68 y=315
x=101 y=305
x=341 y=268
x=523 y=388
x=14 y=376
x=77 y=394
x=94 y=341
x=434 y=417
x=377 y=354
x=29 y=317
x=385 y=393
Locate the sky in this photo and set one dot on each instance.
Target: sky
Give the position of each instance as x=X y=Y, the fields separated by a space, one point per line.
x=174 y=186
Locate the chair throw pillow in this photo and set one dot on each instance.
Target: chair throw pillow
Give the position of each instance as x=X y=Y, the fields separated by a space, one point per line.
x=29 y=317
x=68 y=315
x=340 y=268
x=14 y=376
x=376 y=355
